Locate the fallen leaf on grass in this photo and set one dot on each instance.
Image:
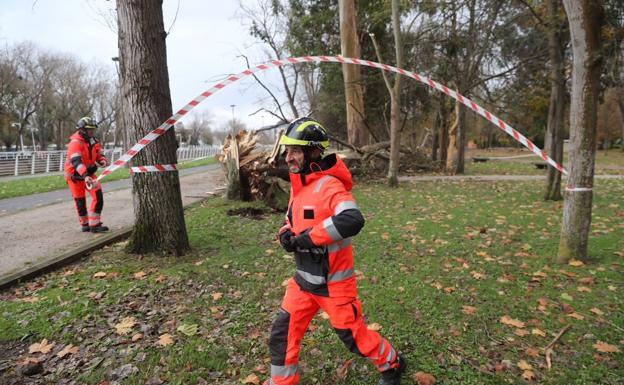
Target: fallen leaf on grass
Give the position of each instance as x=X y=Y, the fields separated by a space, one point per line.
x=532 y=352
x=584 y=289
x=251 y=379
x=567 y=297
x=423 y=378
x=522 y=364
x=137 y=337
x=507 y=320
x=99 y=274
x=469 y=310
x=188 y=329
x=528 y=375
x=374 y=327
x=324 y=315
x=126 y=325
x=476 y=275
x=576 y=263
x=217 y=296
x=341 y=372
x=165 y=340
x=604 y=347
x=596 y=311
x=437 y=285
x=538 y=332
x=576 y=315
x=521 y=332
x=140 y=275
x=41 y=347
x=69 y=349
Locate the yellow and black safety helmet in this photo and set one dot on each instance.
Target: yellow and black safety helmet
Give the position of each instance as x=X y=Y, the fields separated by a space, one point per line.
x=86 y=123
x=305 y=132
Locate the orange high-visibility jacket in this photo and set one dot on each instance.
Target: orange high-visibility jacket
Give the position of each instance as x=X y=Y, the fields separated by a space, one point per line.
x=82 y=153
x=322 y=208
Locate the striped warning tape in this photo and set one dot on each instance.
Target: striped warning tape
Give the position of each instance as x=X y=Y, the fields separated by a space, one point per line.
x=167 y=124
x=154 y=168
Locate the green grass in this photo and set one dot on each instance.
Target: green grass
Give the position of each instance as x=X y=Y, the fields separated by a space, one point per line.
x=427 y=250
x=27 y=186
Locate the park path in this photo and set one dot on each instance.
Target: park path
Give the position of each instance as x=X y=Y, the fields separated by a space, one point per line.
x=29 y=236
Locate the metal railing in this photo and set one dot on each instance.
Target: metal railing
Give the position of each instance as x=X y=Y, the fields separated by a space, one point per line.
x=42 y=162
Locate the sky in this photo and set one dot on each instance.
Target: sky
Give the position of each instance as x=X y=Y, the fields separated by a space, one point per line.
x=202 y=47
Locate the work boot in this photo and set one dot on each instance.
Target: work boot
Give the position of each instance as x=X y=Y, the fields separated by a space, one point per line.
x=99 y=228
x=86 y=228
x=393 y=376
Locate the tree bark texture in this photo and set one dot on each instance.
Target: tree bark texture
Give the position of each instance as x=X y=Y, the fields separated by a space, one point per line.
x=444 y=132
x=457 y=141
x=159 y=224
x=554 y=131
x=585 y=19
x=357 y=134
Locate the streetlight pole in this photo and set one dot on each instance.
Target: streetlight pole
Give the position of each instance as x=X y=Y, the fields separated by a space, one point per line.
x=19 y=128
x=232 y=126
x=32 y=134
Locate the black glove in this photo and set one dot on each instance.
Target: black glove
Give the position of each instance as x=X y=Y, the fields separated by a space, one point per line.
x=303 y=240
x=285 y=239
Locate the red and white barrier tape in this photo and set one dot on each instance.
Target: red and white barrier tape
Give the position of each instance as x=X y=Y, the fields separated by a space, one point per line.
x=147 y=139
x=154 y=168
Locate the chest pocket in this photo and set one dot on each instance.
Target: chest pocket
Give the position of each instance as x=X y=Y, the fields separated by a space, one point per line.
x=308 y=212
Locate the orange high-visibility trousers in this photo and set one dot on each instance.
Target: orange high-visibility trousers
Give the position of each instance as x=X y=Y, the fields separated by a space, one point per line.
x=78 y=190
x=345 y=315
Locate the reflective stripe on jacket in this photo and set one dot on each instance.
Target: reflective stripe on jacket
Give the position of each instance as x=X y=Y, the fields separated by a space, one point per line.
x=322 y=203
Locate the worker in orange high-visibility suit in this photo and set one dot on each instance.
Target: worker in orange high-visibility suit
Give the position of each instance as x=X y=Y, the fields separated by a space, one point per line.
x=322 y=217
x=84 y=156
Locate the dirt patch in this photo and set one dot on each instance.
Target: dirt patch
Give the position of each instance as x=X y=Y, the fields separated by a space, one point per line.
x=247 y=212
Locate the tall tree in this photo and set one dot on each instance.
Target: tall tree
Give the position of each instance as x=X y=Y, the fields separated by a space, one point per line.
x=357 y=133
x=159 y=223
x=585 y=18
x=554 y=130
x=394 y=89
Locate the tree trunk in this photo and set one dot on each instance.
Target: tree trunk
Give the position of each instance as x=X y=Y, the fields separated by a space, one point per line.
x=554 y=132
x=621 y=104
x=159 y=224
x=585 y=18
x=357 y=134
x=436 y=138
x=457 y=141
x=444 y=132
x=395 y=100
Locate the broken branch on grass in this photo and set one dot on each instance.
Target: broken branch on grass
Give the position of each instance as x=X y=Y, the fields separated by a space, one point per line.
x=549 y=348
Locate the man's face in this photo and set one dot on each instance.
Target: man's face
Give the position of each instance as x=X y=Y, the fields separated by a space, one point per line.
x=295 y=158
x=90 y=132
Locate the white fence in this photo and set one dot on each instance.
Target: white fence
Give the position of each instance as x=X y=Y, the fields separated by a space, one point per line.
x=41 y=162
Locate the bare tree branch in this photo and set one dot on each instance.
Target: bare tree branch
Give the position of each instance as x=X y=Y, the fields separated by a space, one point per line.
x=277 y=103
x=535 y=14
x=370 y=130
x=383 y=73
x=174 y=18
